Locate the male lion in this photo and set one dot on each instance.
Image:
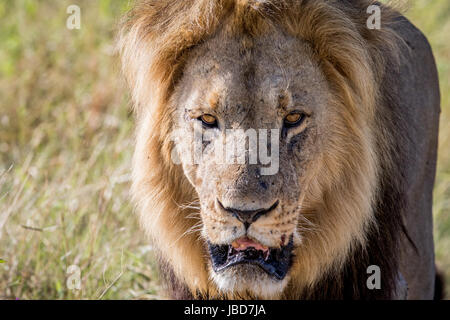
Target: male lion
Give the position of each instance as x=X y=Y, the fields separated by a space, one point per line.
x=352 y=114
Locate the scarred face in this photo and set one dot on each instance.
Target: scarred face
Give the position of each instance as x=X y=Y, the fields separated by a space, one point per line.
x=249 y=121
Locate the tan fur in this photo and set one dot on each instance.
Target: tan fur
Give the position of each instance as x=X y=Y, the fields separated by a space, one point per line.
x=343 y=180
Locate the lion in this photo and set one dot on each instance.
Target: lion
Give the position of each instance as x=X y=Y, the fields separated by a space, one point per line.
x=349 y=116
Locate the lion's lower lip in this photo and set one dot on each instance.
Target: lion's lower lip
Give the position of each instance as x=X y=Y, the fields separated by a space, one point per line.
x=276 y=263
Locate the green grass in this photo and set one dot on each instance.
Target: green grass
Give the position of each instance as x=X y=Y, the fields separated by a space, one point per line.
x=66 y=137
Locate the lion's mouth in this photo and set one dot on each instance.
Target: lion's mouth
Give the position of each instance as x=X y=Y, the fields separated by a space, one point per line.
x=274 y=261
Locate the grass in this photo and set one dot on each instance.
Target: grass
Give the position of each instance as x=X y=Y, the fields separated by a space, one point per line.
x=66 y=138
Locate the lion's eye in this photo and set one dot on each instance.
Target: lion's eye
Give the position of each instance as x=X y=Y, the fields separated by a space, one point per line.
x=208 y=120
x=294 y=119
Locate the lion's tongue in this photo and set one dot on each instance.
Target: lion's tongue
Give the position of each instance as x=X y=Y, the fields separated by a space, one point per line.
x=244 y=243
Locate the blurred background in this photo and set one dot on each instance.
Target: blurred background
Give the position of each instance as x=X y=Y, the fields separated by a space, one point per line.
x=66 y=139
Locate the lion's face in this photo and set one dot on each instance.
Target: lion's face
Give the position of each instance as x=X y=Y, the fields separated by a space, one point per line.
x=269 y=97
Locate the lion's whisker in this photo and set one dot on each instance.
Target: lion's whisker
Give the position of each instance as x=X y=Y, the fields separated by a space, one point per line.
x=195 y=228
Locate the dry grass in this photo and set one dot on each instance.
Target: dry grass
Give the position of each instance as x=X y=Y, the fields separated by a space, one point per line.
x=66 y=138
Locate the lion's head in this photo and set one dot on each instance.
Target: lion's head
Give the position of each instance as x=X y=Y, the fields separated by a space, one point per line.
x=255 y=169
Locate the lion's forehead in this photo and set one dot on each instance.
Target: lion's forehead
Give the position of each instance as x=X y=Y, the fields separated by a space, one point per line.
x=229 y=76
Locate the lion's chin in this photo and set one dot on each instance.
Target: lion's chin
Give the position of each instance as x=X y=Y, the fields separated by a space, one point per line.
x=248 y=268
x=248 y=280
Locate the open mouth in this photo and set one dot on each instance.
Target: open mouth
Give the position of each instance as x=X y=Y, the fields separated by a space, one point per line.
x=274 y=261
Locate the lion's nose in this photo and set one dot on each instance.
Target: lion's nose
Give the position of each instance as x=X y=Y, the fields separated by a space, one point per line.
x=247 y=217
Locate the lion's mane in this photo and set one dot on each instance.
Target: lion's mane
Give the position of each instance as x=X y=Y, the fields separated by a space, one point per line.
x=355 y=198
